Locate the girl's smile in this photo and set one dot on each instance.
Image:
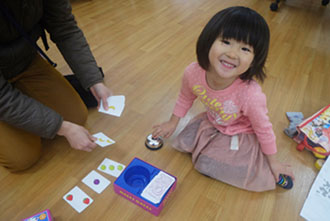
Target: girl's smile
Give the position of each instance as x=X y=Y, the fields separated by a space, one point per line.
x=227 y=64
x=228 y=60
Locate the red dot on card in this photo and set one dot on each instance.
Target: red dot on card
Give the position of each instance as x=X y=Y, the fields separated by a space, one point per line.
x=69 y=197
x=86 y=201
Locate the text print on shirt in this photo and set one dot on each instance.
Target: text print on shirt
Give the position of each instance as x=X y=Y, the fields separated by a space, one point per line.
x=222 y=112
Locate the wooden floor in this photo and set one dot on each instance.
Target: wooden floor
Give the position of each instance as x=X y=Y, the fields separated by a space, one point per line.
x=143 y=47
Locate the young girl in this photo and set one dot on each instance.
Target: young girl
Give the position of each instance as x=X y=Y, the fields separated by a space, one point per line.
x=233 y=141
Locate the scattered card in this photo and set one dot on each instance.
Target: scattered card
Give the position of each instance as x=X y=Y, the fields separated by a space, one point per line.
x=96 y=181
x=103 y=140
x=78 y=199
x=116 y=105
x=111 y=167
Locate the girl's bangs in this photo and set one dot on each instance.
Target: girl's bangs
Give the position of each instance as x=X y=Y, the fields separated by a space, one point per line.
x=241 y=30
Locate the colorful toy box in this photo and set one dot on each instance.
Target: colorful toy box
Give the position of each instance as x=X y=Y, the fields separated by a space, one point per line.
x=42 y=216
x=145 y=185
x=314 y=133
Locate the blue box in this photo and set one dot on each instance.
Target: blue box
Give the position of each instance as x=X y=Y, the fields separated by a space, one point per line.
x=145 y=185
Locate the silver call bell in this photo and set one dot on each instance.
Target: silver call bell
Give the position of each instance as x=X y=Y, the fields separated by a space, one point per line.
x=154 y=143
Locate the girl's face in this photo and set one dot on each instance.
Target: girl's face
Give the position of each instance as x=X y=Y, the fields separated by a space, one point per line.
x=228 y=60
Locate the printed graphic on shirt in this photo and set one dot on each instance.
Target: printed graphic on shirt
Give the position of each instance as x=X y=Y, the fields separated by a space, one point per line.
x=222 y=112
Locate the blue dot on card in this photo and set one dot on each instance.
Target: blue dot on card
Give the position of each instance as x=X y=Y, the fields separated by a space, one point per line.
x=96 y=181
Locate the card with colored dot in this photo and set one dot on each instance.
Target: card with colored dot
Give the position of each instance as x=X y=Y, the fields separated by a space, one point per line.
x=78 y=199
x=96 y=181
x=111 y=167
x=103 y=140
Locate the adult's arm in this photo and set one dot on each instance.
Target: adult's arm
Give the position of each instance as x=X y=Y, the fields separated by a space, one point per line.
x=27 y=113
x=60 y=23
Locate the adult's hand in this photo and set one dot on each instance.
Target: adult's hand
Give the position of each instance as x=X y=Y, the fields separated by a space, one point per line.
x=78 y=136
x=101 y=92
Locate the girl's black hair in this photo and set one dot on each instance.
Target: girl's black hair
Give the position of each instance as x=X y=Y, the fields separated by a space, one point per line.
x=244 y=25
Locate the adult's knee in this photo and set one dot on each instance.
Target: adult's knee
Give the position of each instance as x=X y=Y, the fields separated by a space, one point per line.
x=82 y=118
x=77 y=113
x=19 y=152
x=20 y=162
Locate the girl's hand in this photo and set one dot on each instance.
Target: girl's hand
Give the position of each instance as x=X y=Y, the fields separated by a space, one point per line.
x=279 y=168
x=101 y=92
x=166 y=129
x=78 y=137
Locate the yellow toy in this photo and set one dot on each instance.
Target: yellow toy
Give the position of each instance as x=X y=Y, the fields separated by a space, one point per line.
x=319 y=150
x=319 y=163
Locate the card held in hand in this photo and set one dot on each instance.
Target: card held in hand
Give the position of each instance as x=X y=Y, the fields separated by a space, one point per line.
x=116 y=105
x=103 y=140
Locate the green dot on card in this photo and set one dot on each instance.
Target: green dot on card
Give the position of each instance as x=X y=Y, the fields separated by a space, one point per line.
x=111 y=167
x=103 y=167
x=120 y=167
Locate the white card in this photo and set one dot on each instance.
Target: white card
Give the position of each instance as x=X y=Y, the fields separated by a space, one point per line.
x=111 y=167
x=78 y=199
x=317 y=204
x=116 y=105
x=157 y=187
x=103 y=140
x=96 y=181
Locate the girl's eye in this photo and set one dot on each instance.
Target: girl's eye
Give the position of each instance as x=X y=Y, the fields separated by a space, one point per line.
x=246 y=49
x=225 y=42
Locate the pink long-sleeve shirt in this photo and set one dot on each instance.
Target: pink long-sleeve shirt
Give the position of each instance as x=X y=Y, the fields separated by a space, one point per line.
x=239 y=108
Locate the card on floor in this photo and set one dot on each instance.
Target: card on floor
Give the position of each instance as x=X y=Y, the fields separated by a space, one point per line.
x=96 y=181
x=103 y=140
x=78 y=199
x=111 y=167
x=116 y=105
